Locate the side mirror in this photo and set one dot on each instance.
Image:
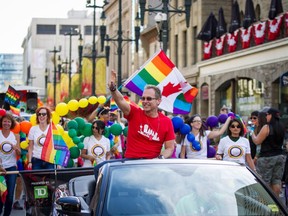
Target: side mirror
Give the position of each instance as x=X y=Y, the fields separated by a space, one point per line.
x=68 y=205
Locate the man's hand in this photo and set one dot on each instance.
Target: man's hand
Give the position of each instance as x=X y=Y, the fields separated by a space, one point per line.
x=112 y=85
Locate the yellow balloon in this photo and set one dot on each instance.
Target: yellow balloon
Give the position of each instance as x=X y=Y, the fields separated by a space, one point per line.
x=83 y=103
x=55 y=117
x=62 y=109
x=60 y=129
x=33 y=119
x=73 y=105
x=101 y=99
x=92 y=100
x=24 y=144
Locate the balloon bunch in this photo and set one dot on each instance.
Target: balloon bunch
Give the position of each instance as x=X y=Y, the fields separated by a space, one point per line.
x=184 y=129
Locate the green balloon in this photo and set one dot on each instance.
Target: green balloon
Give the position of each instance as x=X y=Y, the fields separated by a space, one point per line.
x=116 y=129
x=82 y=138
x=80 y=121
x=125 y=131
x=81 y=145
x=72 y=133
x=76 y=139
x=87 y=130
x=70 y=163
x=107 y=132
x=72 y=125
x=74 y=152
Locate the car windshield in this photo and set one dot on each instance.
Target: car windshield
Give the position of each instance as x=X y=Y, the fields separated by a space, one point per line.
x=169 y=189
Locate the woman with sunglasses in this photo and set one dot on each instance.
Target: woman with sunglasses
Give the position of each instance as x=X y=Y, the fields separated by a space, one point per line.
x=271 y=160
x=201 y=136
x=36 y=137
x=235 y=147
x=10 y=148
x=96 y=147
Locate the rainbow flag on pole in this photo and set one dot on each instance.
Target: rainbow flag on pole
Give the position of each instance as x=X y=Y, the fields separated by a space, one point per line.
x=12 y=96
x=177 y=94
x=55 y=149
x=3 y=189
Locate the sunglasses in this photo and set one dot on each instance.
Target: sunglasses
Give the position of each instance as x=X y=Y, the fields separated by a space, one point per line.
x=41 y=114
x=93 y=127
x=235 y=126
x=148 y=98
x=254 y=118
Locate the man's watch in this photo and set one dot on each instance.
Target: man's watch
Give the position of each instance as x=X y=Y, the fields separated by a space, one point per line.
x=161 y=157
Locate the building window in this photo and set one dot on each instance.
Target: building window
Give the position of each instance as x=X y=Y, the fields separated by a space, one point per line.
x=176 y=50
x=258 y=12
x=46 y=29
x=88 y=30
x=194 y=44
x=185 y=49
x=68 y=28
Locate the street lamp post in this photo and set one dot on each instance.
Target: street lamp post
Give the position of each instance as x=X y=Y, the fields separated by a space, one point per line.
x=163 y=15
x=94 y=6
x=119 y=40
x=55 y=51
x=70 y=34
x=80 y=52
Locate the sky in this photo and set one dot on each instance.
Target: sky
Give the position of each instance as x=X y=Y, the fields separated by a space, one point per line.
x=16 y=16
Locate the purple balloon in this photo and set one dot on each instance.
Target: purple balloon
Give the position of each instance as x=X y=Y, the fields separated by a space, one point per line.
x=185 y=129
x=212 y=121
x=231 y=114
x=211 y=152
x=190 y=137
x=222 y=118
x=177 y=123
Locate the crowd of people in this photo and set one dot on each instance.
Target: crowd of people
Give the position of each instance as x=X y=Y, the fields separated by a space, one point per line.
x=153 y=137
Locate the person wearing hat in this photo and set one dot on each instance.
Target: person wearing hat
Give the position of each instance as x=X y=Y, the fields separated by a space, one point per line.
x=149 y=129
x=271 y=159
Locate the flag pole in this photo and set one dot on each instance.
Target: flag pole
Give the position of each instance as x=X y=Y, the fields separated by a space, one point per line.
x=9 y=173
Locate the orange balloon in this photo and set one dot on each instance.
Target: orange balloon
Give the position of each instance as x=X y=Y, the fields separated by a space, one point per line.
x=16 y=129
x=25 y=126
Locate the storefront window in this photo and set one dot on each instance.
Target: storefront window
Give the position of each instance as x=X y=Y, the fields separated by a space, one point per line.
x=249 y=96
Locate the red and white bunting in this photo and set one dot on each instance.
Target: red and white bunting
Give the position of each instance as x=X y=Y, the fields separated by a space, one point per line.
x=207 y=49
x=274 y=27
x=232 y=40
x=219 y=45
x=286 y=23
x=259 y=30
x=246 y=37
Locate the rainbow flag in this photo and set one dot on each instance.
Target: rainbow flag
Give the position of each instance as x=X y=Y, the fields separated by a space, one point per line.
x=15 y=110
x=12 y=96
x=55 y=149
x=113 y=105
x=177 y=94
x=3 y=189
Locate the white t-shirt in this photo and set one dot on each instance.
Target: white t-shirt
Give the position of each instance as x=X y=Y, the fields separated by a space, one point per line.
x=194 y=154
x=38 y=136
x=234 y=151
x=7 y=154
x=96 y=148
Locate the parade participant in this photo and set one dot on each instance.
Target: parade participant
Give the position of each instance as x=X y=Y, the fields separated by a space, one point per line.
x=201 y=136
x=271 y=160
x=150 y=129
x=37 y=136
x=96 y=147
x=235 y=147
x=10 y=147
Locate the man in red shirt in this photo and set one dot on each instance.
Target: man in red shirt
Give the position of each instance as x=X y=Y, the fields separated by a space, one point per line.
x=148 y=129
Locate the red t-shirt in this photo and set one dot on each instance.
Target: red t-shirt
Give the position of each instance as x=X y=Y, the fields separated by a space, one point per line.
x=146 y=135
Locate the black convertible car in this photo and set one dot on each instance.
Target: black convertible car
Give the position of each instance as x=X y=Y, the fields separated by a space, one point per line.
x=175 y=187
